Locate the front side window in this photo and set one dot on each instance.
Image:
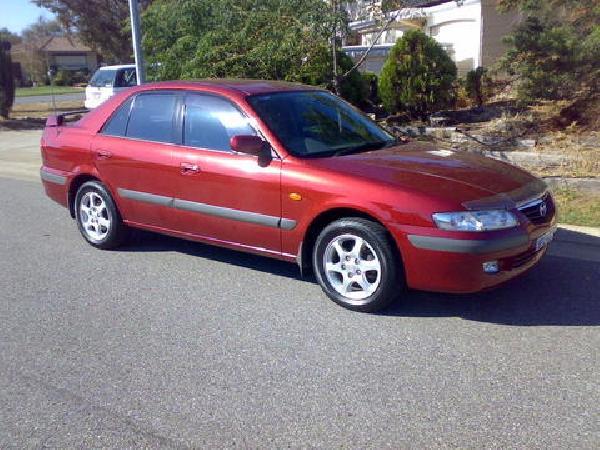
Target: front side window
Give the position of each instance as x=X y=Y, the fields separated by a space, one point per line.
x=152 y=117
x=103 y=78
x=317 y=123
x=211 y=121
x=126 y=78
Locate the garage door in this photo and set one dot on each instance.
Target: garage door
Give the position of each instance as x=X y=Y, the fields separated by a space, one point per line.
x=72 y=62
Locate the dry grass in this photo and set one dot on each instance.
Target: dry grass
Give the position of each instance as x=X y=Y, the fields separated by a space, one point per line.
x=581 y=151
x=578 y=208
x=32 y=116
x=43 y=110
x=577 y=147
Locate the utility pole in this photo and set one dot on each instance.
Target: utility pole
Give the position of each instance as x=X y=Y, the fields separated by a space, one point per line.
x=335 y=80
x=136 y=37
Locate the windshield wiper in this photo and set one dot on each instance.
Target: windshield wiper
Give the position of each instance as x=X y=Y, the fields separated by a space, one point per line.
x=367 y=146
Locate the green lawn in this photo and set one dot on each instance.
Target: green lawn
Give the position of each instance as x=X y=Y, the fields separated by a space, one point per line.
x=47 y=90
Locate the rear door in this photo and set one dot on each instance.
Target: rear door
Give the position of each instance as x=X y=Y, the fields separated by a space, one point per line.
x=221 y=194
x=133 y=154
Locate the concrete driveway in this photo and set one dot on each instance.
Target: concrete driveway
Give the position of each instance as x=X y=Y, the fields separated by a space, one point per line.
x=166 y=343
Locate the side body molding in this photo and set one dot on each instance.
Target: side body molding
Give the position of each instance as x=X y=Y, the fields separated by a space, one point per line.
x=211 y=210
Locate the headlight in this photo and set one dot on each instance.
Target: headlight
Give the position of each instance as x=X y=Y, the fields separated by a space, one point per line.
x=476 y=220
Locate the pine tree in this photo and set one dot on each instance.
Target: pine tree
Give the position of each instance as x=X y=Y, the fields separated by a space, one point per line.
x=555 y=52
x=417 y=77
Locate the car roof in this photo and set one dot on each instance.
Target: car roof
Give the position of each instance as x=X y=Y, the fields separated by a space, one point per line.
x=123 y=66
x=236 y=86
x=230 y=87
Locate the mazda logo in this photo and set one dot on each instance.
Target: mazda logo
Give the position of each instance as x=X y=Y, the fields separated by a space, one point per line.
x=543 y=209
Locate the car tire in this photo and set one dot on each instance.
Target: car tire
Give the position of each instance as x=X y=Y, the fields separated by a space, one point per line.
x=357 y=265
x=97 y=216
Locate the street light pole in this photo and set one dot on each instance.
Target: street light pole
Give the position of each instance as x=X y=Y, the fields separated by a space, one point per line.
x=136 y=35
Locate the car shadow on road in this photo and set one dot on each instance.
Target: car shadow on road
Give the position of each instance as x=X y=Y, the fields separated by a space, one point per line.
x=144 y=241
x=560 y=291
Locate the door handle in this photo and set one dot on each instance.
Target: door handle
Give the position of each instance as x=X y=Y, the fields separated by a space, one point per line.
x=189 y=168
x=103 y=154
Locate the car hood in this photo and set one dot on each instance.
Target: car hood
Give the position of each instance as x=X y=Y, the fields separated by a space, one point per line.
x=458 y=176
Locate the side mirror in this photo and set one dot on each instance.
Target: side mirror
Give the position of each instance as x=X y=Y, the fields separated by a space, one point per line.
x=55 y=121
x=250 y=145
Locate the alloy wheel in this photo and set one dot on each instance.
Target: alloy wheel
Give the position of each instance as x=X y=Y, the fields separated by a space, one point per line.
x=352 y=267
x=94 y=216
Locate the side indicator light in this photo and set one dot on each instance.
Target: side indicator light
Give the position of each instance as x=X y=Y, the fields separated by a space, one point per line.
x=295 y=196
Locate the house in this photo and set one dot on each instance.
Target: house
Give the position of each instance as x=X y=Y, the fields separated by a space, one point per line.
x=471 y=31
x=59 y=53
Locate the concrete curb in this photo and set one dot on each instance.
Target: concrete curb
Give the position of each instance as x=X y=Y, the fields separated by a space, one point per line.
x=588 y=231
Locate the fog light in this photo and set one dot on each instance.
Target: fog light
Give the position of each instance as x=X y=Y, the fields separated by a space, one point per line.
x=490 y=267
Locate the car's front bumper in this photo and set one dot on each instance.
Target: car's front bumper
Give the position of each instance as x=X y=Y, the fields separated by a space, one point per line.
x=438 y=261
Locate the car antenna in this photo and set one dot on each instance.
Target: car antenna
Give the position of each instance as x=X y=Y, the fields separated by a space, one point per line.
x=52 y=92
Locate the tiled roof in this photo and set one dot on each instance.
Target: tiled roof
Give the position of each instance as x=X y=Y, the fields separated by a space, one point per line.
x=64 y=44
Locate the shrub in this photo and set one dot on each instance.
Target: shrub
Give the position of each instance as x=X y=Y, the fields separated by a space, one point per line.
x=81 y=76
x=370 y=80
x=478 y=86
x=318 y=72
x=352 y=88
x=63 y=78
x=461 y=97
x=7 y=80
x=417 y=77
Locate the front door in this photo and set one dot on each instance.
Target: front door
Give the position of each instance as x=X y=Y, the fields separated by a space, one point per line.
x=133 y=154
x=222 y=195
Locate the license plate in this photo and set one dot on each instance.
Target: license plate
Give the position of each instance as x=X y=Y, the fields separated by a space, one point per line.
x=544 y=240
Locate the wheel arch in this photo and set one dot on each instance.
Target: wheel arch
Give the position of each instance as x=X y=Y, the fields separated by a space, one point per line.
x=325 y=218
x=74 y=186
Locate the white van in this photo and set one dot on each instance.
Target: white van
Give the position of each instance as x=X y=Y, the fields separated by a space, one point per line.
x=107 y=81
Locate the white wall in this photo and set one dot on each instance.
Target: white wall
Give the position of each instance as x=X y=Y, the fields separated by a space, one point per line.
x=460 y=28
x=457 y=28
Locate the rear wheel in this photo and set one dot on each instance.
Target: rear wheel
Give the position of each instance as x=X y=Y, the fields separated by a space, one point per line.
x=97 y=216
x=356 y=265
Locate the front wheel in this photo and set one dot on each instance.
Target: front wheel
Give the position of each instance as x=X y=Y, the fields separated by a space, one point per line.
x=356 y=265
x=97 y=216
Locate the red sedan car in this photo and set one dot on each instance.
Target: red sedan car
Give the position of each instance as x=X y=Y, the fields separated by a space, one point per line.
x=295 y=173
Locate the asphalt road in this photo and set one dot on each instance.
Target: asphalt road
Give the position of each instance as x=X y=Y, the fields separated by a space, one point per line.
x=48 y=98
x=167 y=343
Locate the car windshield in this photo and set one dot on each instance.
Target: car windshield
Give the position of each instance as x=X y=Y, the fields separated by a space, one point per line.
x=103 y=78
x=317 y=124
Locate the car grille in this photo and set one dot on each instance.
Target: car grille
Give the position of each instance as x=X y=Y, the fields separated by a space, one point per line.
x=534 y=209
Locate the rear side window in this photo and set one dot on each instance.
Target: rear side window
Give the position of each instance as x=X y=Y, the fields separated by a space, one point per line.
x=117 y=124
x=152 y=117
x=210 y=122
